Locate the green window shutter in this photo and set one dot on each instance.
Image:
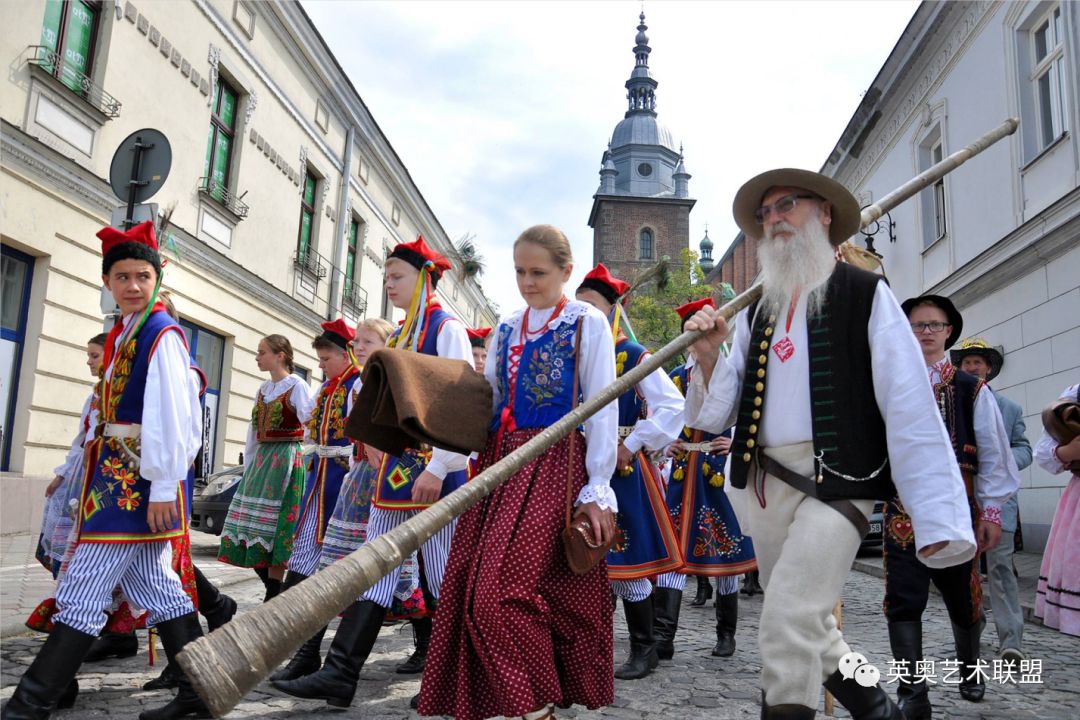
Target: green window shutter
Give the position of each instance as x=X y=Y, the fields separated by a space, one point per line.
x=221 y=165
x=305 y=235
x=350 y=265
x=227 y=111
x=80 y=28
x=50 y=28
x=309 y=190
x=209 y=151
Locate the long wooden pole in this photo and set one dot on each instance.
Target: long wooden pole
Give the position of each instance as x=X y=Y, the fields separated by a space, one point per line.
x=225 y=665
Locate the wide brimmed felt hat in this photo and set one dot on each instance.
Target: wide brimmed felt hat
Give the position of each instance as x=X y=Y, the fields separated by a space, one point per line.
x=846 y=215
x=956 y=320
x=338 y=332
x=419 y=254
x=685 y=311
x=602 y=281
x=979 y=346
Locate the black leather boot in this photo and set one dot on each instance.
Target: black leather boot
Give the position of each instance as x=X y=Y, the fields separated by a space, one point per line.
x=67 y=700
x=421 y=628
x=785 y=712
x=214 y=605
x=643 y=658
x=751 y=585
x=175 y=634
x=704 y=591
x=336 y=681
x=48 y=678
x=168 y=678
x=727 y=620
x=113 y=645
x=666 y=605
x=273 y=588
x=864 y=703
x=905 y=638
x=973 y=684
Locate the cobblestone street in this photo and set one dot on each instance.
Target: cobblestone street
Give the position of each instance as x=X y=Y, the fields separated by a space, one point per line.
x=692 y=685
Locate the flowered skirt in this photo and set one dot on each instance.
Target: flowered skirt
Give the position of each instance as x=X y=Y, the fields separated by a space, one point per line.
x=262 y=517
x=516 y=629
x=645 y=540
x=1057 y=598
x=347 y=531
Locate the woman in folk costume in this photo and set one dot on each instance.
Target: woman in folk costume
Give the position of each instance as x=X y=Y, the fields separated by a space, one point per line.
x=330 y=455
x=62 y=494
x=709 y=532
x=134 y=497
x=519 y=632
x=404 y=485
x=1057 y=599
x=262 y=517
x=650 y=419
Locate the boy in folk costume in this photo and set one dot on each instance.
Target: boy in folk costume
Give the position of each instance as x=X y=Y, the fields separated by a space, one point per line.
x=478 y=339
x=650 y=418
x=133 y=499
x=981 y=449
x=330 y=452
x=709 y=533
x=405 y=485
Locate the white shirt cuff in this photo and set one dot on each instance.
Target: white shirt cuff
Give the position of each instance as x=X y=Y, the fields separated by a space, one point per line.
x=601 y=494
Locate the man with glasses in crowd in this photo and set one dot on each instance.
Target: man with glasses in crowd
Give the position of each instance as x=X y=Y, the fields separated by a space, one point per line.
x=827 y=391
x=981 y=449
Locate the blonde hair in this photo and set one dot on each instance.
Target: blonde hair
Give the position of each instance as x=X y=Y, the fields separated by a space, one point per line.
x=551 y=239
x=165 y=298
x=380 y=327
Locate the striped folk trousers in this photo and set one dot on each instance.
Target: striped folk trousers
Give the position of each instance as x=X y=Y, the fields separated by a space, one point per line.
x=725 y=584
x=306 y=548
x=433 y=554
x=143 y=570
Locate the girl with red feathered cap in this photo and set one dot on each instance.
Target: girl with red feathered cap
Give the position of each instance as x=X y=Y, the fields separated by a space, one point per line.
x=404 y=485
x=134 y=498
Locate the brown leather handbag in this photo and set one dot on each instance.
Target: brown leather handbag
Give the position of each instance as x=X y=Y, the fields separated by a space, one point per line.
x=582 y=554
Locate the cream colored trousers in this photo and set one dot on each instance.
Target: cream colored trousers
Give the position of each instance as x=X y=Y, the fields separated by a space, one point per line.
x=804 y=551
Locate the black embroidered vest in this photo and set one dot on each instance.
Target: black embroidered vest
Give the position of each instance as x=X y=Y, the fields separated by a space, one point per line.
x=848 y=431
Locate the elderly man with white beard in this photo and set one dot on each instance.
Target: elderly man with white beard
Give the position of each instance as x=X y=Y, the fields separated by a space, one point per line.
x=827 y=391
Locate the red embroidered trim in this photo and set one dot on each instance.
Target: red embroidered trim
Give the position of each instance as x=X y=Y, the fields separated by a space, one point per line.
x=991 y=515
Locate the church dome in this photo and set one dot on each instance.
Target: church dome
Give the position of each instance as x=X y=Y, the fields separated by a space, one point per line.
x=642 y=129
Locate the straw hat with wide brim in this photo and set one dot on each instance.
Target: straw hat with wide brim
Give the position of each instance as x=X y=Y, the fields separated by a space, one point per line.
x=978 y=346
x=846 y=215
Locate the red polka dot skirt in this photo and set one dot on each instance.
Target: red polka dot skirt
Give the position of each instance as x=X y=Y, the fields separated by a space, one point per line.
x=515 y=628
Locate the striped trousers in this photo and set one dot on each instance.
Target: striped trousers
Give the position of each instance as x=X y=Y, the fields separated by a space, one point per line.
x=306 y=548
x=143 y=570
x=433 y=553
x=725 y=584
x=632 y=590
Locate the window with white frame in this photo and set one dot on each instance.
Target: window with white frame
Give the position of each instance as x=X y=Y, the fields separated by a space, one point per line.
x=1048 y=76
x=933 y=203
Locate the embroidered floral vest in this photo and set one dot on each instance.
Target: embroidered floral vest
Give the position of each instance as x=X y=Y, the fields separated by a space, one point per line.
x=276 y=420
x=542 y=390
x=631 y=404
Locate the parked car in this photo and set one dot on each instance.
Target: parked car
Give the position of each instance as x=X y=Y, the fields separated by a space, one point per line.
x=212 y=499
x=874 y=538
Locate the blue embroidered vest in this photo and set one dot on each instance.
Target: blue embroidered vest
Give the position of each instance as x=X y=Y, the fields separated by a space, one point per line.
x=115 y=496
x=545 y=377
x=631 y=405
x=393 y=487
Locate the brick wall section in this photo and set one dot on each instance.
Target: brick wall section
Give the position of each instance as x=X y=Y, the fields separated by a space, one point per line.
x=740 y=267
x=618 y=226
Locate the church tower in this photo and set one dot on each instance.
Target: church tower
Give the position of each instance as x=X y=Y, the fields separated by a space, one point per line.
x=641 y=211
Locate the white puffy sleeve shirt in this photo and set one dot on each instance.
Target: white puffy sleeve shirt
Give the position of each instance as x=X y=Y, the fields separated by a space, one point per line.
x=596 y=370
x=453 y=342
x=171 y=433
x=73 y=459
x=664 y=404
x=921 y=458
x=302 y=399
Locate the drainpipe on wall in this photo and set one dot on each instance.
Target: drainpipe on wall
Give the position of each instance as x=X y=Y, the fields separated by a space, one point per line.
x=338 y=258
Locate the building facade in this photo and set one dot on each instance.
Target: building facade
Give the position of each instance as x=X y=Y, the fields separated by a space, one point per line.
x=286 y=198
x=641 y=211
x=1000 y=235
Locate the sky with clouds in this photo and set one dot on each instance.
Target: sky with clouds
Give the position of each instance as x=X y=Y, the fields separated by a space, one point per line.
x=501 y=110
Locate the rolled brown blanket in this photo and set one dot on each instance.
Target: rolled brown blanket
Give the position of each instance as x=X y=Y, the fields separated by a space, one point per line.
x=410 y=398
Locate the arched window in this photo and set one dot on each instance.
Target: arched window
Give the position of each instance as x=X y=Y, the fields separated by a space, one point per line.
x=645 y=244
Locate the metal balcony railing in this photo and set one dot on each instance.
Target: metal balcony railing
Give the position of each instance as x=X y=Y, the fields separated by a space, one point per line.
x=54 y=64
x=311 y=263
x=223 y=196
x=355 y=297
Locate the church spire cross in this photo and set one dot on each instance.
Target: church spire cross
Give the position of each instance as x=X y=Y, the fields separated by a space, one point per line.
x=641 y=87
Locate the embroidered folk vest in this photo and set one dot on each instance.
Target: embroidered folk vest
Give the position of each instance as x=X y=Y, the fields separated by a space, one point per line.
x=848 y=430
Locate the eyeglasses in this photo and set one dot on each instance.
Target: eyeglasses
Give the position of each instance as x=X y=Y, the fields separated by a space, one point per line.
x=920 y=327
x=782 y=207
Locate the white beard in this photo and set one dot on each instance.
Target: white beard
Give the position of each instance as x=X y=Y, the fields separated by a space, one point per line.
x=802 y=263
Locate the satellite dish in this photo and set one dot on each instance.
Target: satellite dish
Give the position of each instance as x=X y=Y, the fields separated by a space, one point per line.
x=140 y=166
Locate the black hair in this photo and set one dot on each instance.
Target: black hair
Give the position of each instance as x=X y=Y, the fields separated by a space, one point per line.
x=605 y=290
x=130 y=251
